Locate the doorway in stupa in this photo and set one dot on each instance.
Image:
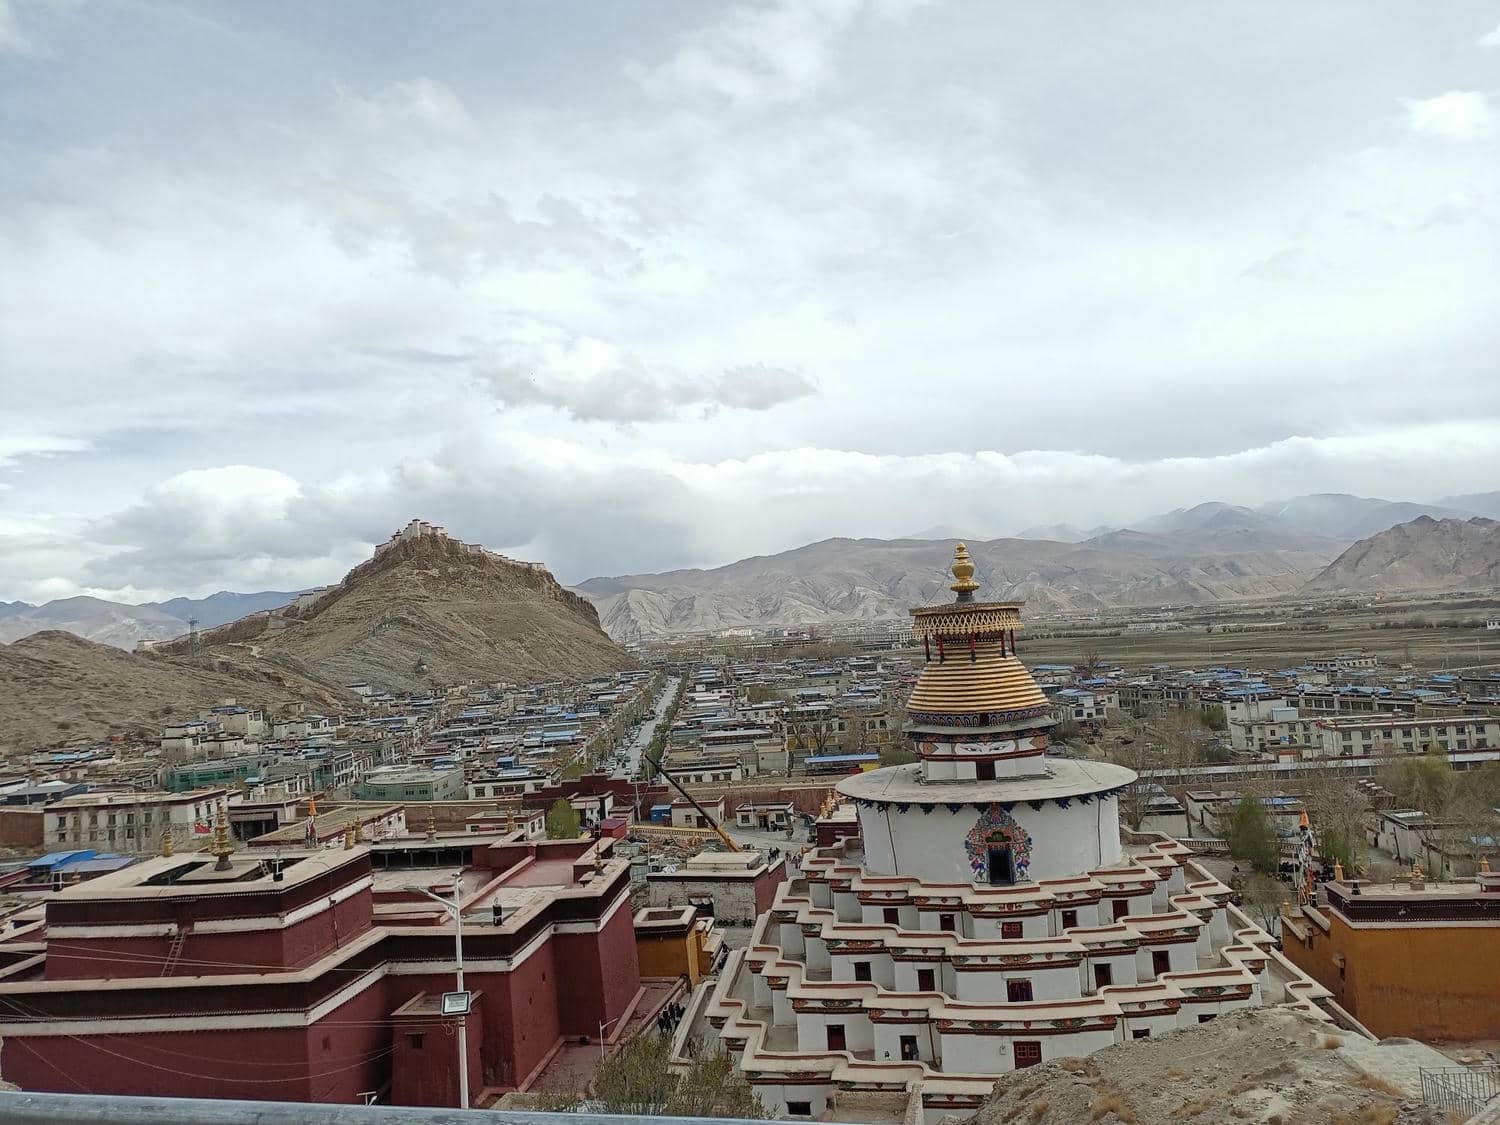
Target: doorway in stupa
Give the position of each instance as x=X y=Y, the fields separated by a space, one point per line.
x=1002 y=866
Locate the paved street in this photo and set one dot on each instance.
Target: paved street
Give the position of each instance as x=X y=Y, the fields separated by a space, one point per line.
x=642 y=738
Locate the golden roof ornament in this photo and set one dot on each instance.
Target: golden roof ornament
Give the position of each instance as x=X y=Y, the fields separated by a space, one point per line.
x=166 y=842
x=349 y=836
x=431 y=826
x=963 y=574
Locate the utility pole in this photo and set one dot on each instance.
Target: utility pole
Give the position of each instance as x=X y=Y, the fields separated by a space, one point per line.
x=455 y=908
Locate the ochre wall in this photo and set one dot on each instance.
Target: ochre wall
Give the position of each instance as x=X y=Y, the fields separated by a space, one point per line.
x=673 y=956
x=1419 y=981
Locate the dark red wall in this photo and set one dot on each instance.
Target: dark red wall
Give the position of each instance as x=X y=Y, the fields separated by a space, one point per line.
x=208 y=954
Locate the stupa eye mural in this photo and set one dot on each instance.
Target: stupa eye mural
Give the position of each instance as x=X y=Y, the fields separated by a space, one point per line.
x=987 y=916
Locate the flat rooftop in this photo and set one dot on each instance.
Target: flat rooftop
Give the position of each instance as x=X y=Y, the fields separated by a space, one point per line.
x=1055 y=777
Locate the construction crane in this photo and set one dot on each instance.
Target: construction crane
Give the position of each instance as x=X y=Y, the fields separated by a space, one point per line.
x=712 y=823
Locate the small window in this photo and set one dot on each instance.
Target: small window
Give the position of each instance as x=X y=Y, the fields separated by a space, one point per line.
x=1103 y=975
x=1161 y=962
x=926 y=981
x=1026 y=1053
x=1069 y=919
x=861 y=970
x=984 y=771
x=892 y=915
x=799 y=1109
x=1119 y=908
x=946 y=923
x=1010 y=930
x=1140 y=1033
x=415 y=1040
x=908 y=1048
x=1018 y=991
x=1206 y=1017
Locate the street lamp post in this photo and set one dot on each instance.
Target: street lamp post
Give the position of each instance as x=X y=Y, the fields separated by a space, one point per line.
x=455 y=909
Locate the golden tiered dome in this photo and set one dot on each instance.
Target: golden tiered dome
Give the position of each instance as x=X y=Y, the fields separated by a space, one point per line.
x=991 y=683
x=972 y=677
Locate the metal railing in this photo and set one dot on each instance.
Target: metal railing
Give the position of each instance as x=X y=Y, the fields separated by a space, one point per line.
x=21 y=1108
x=1463 y=1088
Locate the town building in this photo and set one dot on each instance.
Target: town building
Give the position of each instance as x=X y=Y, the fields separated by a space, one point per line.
x=1383 y=735
x=734 y=887
x=401 y=783
x=131 y=823
x=987 y=917
x=1410 y=958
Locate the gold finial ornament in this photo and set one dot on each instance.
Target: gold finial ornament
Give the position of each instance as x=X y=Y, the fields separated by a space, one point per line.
x=963 y=573
x=166 y=842
x=431 y=826
x=349 y=836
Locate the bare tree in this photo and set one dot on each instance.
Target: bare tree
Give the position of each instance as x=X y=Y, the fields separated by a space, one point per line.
x=1262 y=897
x=1337 y=809
x=638 y=1080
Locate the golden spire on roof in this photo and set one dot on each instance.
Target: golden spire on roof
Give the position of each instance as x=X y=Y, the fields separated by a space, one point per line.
x=963 y=572
x=349 y=836
x=166 y=841
x=431 y=826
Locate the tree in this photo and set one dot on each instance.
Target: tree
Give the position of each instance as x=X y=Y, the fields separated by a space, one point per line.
x=638 y=1080
x=562 y=821
x=1252 y=838
x=1262 y=897
x=1336 y=808
x=1213 y=717
x=1089 y=664
x=898 y=754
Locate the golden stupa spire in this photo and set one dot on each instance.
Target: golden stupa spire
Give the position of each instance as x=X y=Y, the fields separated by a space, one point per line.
x=166 y=841
x=431 y=826
x=349 y=836
x=222 y=847
x=963 y=573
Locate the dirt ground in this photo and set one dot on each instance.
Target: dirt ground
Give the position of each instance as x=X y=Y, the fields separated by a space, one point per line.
x=1267 y=1065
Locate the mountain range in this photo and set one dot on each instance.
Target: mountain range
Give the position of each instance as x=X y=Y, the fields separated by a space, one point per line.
x=124 y=625
x=1194 y=556
x=1189 y=555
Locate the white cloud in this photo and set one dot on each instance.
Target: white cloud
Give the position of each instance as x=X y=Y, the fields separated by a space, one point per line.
x=764 y=53
x=1458 y=115
x=1490 y=38
x=974 y=231
x=587 y=512
x=12 y=40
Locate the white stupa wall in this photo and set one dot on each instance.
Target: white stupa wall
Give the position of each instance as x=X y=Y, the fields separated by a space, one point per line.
x=931 y=845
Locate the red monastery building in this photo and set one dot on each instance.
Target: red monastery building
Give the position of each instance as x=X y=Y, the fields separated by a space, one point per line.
x=313 y=975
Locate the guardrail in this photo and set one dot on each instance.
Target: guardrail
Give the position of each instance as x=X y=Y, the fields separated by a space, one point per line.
x=20 y=1108
x=1462 y=1088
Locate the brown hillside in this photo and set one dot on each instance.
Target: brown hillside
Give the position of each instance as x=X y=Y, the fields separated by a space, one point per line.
x=55 y=686
x=431 y=611
x=1425 y=554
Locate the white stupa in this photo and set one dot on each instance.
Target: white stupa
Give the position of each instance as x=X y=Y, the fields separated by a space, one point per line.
x=988 y=917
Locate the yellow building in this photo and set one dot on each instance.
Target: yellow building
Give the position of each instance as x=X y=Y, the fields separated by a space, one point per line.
x=676 y=942
x=1410 y=958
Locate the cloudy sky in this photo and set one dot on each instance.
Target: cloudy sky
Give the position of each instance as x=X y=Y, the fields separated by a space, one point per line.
x=633 y=285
